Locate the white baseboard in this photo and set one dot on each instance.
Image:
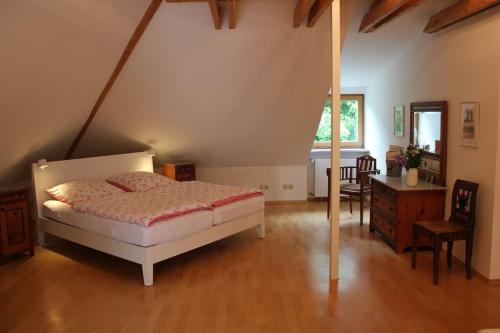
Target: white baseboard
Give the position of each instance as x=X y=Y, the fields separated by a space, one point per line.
x=272 y=176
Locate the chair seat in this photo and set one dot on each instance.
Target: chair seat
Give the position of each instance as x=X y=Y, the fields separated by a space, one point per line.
x=352 y=188
x=441 y=227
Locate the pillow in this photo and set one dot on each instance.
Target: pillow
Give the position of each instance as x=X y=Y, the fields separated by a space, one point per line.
x=139 y=181
x=82 y=190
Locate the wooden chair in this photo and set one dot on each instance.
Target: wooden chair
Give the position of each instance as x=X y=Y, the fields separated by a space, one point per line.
x=346 y=173
x=460 y=226
x=358 y=181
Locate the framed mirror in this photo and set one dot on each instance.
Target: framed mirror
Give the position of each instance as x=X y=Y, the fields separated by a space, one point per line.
x=428 y=130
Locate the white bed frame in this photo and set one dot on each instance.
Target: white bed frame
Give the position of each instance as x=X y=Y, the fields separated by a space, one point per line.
x=102 y=168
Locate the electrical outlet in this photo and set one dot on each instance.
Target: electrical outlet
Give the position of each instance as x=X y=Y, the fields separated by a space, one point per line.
x=290 y=186
x=263 y=187
x=285 y=186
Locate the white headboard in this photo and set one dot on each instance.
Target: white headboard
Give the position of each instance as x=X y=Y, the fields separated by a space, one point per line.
x=85 y=168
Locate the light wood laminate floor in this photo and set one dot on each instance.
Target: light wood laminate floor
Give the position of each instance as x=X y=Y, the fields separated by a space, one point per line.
x=246 y=284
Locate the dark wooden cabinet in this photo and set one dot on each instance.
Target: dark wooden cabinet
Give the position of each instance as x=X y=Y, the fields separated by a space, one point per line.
x=15 y=223
x=395 y=206
x=181 y=171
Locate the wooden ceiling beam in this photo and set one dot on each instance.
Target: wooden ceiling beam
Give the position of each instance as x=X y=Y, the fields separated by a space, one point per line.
x=216 y=16
x=232 y=13
x=216 y=11
x=301 y=11
x=318 y=8
x=383 y=11
x=457 y=13
x=132 y=43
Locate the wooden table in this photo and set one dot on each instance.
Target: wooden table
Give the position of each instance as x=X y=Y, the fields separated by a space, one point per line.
x=395 y=206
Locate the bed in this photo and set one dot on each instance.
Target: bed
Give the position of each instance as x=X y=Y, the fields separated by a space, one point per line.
x=143 y=245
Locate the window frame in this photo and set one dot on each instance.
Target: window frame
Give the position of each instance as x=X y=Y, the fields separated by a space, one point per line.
x=361 y=120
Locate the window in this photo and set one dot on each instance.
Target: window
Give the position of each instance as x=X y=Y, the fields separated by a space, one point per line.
x=351 y=123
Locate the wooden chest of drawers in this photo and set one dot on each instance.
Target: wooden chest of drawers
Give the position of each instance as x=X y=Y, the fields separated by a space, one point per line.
x=394 y=208
x=15 y=223
x=181 y=171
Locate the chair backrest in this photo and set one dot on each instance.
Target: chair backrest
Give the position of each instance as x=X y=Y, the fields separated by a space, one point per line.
x=365 y=163
x=463 y=203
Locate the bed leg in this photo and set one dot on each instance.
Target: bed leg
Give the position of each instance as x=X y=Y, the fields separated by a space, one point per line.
x=147 y=274
x=261 y=230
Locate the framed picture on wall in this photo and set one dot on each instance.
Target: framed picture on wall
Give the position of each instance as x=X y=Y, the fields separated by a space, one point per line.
x=469 y=124
x=399 y=120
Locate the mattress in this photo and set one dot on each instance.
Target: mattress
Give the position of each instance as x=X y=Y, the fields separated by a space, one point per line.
x=238 y=209
x=161 y=232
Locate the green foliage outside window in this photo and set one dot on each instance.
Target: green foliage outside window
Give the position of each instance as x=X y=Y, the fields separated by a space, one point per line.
x=324 y=133
x=348 y=122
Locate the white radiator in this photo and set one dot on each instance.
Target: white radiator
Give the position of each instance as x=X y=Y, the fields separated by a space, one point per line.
x=320 y=178
x=347 y=162
x=317 y=179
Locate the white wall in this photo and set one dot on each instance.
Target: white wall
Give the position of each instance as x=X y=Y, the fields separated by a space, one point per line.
x=460 y=64
x=274 y=177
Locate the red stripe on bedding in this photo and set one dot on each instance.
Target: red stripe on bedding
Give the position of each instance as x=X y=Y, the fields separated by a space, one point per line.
x=120 y=186
x=171 y=216
x=235 y=198
x=215 y=204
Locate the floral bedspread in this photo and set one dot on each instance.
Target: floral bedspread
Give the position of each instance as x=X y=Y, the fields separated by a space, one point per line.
x=213 y=195
x=164 y=202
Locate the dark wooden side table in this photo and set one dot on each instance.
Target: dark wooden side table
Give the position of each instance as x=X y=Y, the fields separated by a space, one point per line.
x=180 y=171
x=16 y=232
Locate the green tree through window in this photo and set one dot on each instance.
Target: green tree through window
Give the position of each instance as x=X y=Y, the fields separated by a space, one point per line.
x=324 y=133
x=350 y=122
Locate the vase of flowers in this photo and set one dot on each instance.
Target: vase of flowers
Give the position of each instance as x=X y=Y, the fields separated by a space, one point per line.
x=412 y=177
x=412 y=160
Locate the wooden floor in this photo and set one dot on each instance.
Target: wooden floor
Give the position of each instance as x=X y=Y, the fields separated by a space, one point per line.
x=246 y=284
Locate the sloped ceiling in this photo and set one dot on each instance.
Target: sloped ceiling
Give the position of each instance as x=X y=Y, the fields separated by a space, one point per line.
x=55 y=58
x=243 y=97
x=251 y=96
x=364 y=56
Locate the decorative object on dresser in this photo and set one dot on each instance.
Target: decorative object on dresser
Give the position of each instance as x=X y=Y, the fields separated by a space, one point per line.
x=180 y=171
x=428 y=130
x=395 y=206
x=399 y=120
x=469 y=124
x=412 y=161
x=393 y=159
x=15 y=222
x=358 y=182
x=460 y=226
